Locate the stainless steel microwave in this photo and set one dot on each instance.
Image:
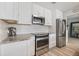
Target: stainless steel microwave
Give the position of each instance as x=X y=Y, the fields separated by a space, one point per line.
x=38 y=20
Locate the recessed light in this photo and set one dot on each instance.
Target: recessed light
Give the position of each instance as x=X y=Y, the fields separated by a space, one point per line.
x=53 y=2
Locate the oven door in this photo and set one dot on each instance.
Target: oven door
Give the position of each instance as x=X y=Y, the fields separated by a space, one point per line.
x=42 y=43
x=42 y=46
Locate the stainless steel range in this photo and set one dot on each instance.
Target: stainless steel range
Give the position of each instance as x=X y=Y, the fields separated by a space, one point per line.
x=41 y=43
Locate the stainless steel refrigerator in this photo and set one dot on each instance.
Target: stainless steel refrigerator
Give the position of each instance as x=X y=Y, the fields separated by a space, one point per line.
x=60 y=33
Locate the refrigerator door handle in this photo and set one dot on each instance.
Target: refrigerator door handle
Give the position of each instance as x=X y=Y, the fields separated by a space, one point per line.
x=63 y=28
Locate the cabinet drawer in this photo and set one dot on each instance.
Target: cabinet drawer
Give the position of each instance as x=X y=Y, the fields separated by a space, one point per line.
x=52 y=42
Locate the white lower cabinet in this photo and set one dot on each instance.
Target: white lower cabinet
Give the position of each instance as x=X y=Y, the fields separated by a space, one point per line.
x=31 y=46
x=52 y=40
x=21 y=48
x=15 y=49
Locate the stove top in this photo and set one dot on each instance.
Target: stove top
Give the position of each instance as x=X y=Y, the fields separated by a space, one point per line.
x=40 y=33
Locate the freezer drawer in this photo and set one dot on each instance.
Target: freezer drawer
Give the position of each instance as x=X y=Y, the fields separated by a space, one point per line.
x=60 y=42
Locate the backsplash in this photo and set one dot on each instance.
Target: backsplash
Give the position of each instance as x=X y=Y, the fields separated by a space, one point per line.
x=25 y=29
x=3 y=31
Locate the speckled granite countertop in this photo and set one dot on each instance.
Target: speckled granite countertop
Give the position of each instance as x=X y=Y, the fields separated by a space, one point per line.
x=20 y=37
x=17 y=38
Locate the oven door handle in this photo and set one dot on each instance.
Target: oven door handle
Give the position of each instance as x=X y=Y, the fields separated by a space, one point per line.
x=42 y=38
x=46 y=46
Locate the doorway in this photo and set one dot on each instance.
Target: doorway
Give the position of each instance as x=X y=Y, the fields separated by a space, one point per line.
x=73 y=30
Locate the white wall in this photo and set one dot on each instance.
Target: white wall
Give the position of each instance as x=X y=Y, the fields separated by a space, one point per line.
x=3 y=31
x=65 y=17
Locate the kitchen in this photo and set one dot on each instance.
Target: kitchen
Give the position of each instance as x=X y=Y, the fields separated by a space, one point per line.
x=16 y=15
x=29 y=28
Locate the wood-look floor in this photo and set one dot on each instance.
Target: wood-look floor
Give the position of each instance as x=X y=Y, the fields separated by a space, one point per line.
x=72 y=49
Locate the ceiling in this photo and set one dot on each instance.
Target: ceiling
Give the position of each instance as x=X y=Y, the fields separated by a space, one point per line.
x=75 y=16
x=64 y=6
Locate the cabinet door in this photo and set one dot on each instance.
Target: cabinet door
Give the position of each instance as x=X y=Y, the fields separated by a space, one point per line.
x=6 y=10
x=41 y=11
x=25 y=13
x=15 y=49
x=48 y=17
x=38 y=10
x=52 y=40
x=35 y=10
x=16 y=11
x=31 y=46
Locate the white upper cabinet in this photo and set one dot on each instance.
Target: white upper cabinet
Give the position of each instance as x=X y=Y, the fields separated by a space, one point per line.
x=38 y=10
x=35 y=10
x=7 y=10
x=48 y=17
x=41 y=11
x=15 y=11
x=25 y=13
